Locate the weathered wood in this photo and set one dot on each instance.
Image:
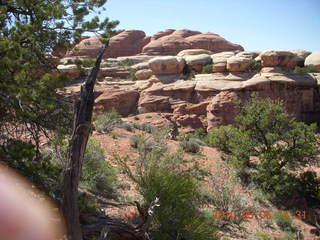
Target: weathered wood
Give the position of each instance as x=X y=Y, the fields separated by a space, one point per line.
x=77 y=146
x=113 y=229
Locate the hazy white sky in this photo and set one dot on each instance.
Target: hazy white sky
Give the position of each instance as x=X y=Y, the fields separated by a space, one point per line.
x=255 y=24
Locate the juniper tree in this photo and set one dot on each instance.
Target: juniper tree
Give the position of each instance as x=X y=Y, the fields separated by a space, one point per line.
x=30 y=30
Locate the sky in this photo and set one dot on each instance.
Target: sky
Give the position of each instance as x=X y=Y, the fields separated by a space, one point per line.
x=254 y=24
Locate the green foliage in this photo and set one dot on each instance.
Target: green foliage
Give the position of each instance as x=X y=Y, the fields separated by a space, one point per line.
x=263 y=236
x=283 y=220
x=146 y=127
x=126 y=63
x=87 y=203
x=188 y=76
x=190 y=145
x=85 y=62
x=254 y=65
x=191 y=142
x=114 y=134
x=97 y=176
x=155 y=143
x=161 y=174
x=207 y=68
x=38 y=168
x=106 y=122
x=306 y=69
x=200 y=133
x=132 y=74
x=127 y=126
x=222 y=137
x=224 y=198
x=282 y=145
x=30 y=32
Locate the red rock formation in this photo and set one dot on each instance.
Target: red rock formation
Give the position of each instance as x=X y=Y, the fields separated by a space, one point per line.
x=164 y=43
x=168 y=42
x=125 y=102
x=299 y=95
x=126 y=43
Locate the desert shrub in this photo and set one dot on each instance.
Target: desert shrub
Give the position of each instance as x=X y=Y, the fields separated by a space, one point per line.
x=207 y=68
x=198 y=141
x=132 y=74
x=310 y=183
x=136 y=140
x=146 y=127
x=284 y=220
x=114 y=134
x=190 y=145
x=97 y=176
x=127 y=126
x=88 y=62
x=224 y=198
x=106 y=122
x=84 y=62
x=232 y=141
x=161 y=174
x=105 y=65
x=87 y=203
x=263 y=236
x=282 y=144
x=306 y=69
x=188 y=76
x=222 y=138
x=254 y=65
x=145 y=145
x=126 y=63
x=200 y=133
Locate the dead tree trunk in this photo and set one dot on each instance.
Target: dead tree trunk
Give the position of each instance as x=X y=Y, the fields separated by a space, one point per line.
x=77 y=146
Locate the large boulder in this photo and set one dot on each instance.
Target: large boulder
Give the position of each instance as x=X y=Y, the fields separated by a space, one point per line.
x=143 y=74
x=123 y=100
x=313 y=60
x=237 y=64
x=140 y=66
x=167 y=65
x=189 y=52
x=171 y=43
x=219 y=61
x=300 y=56
x=197 y=62
x=126 y=43
x=71 y=69
x=273 y=58
x=164 y=97
x=248 y=55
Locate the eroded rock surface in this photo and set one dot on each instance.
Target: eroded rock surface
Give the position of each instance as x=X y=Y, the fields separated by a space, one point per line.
x=313 y=60
x=164 y=43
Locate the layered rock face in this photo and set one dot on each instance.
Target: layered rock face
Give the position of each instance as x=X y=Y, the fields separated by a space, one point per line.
x=208 y=101
x=168 y=42
x=204 y=100
x=299 y=93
